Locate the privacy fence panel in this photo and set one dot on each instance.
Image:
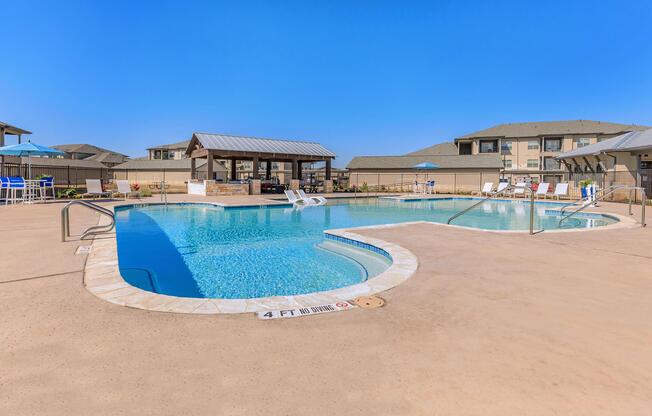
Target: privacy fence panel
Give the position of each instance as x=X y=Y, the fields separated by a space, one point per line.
x=63 y=175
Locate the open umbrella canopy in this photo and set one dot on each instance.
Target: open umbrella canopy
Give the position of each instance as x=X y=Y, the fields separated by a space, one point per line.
x=28 y=149
x=426 y=165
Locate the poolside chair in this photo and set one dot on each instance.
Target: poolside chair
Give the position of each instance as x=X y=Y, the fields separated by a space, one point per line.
x=561 y=189
x=487 y=188
x=123 y=188
x=94 y=188
x=16 y=183
x=294 y=200
x=519 y=189
x=45 y=184
x=4 y=187
x=501 y=187
x=542 y=189
x=318 y=200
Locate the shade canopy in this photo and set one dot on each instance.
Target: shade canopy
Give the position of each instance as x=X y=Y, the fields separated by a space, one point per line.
x=28 y=149
x=426 y=165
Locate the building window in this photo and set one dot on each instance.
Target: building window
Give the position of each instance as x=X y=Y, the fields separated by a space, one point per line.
x=507 y=163
x=581 y=142
x=465 y=148
x=506 y=146
x=550 y=163
x=488 y=146
x=552 y=145
x=533 y=163
x=533 y=145
x=157 y=154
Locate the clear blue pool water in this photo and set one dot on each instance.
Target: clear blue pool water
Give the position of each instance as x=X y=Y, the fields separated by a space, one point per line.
x=198 y=250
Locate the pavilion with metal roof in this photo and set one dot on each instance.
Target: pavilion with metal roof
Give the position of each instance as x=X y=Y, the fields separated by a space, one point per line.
x=234 y=148
x=7 y=129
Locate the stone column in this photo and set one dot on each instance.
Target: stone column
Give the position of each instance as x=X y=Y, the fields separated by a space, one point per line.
x=294 y=184
x=254 y=187
x=328 y=186
x=268 y=170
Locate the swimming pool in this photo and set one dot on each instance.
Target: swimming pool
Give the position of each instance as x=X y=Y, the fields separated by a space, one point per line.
x=206 y=251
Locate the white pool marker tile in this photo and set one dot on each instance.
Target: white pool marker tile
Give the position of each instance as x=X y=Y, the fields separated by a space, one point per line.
x=307 y=311
x=83 y=250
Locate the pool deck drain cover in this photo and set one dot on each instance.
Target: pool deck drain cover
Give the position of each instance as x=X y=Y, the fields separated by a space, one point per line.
x=369 y=302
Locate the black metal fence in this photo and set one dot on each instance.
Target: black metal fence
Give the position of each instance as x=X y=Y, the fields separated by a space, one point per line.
x=63 y=175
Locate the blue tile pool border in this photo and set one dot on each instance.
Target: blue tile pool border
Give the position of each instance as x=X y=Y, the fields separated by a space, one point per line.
x=357 y=244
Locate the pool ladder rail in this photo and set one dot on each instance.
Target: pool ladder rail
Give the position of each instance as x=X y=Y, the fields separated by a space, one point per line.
x=495 y=194
x=94 y=230
x=601 y=195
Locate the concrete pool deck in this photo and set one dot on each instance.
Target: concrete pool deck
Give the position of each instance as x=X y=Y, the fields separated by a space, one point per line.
x=491 y=323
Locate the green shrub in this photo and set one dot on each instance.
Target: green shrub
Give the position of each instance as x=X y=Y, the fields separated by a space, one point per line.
x=145 y=193
x=68 y=193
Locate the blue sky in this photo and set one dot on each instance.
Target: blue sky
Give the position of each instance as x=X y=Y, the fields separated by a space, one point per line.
x=363 y=78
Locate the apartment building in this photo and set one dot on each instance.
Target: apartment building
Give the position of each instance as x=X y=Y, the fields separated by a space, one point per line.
x=174 y=151
x=529 y=150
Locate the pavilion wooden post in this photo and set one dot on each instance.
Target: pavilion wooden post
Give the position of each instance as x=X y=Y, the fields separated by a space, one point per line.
x=328 y=169
x=268 y=170
x=209 y=166
x=255 y=167
x=299 y=169
x=295 y=169
x=234 y=173
x=2 y=136
x=193 y=168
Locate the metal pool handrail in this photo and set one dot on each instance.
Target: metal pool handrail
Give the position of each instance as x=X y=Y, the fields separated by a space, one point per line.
x=495 y=194
x=598 y=192
x=96 y=229
x=614 y=188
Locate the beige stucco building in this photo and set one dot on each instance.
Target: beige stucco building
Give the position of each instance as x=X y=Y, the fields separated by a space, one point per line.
x=450 y=171
x=622 y=160
x=530 y=150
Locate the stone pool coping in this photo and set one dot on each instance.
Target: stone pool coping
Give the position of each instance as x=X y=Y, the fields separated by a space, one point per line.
x=103 y=279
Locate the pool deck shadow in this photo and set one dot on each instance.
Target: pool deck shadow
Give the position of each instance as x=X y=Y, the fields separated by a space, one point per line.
x=490 y=323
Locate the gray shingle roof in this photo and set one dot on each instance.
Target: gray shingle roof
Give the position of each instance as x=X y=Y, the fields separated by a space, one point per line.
x=486 y=161
x=178 y=145
x=551 y=128
x=179 y=164
x=635 y=140
x=84 y=148
x=447 y=148
x=261 y=145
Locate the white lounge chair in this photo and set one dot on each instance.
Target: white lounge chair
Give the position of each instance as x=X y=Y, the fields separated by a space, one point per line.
x=519 y=189
x=318 y=200
x=542 y=189
x=124 y=188
x=487 y=188
x=501 y=187
x=94 y=188
x=561 y=189
x=295 y=200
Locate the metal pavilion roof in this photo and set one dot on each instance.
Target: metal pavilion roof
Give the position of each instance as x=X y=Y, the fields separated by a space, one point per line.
x=261 y=145
x=632 y=141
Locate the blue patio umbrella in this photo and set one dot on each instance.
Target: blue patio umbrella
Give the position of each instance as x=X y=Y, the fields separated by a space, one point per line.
x=29 y=149
x=426 y=165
